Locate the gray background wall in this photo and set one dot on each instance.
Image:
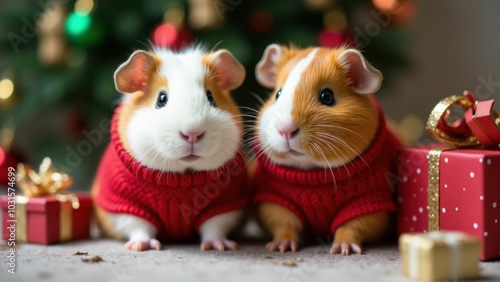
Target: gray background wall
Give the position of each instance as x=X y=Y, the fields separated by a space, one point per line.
x=454 y=45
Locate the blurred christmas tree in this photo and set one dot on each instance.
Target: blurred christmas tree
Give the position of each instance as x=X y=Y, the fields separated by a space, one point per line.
x=58 y=56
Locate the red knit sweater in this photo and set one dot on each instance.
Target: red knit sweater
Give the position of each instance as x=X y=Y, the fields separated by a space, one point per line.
x=324 y=202
x=175 y=203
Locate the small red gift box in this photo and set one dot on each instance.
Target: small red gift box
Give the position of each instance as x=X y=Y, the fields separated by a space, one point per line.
x=46 y=220
x=467 y=198
x=455 y=186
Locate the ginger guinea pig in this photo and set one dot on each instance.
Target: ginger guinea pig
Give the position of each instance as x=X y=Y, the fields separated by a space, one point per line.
x=322 y=149
x=174 y=168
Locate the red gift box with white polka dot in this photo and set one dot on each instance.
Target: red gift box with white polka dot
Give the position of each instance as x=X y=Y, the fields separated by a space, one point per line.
x=469 y=194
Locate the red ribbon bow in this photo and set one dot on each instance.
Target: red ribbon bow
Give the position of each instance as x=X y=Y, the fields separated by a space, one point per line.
x=480 y=124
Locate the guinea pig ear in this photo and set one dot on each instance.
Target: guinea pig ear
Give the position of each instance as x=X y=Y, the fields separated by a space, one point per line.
x=365 y=79
x=230 y=73
x=265 y=71
x=132 y=75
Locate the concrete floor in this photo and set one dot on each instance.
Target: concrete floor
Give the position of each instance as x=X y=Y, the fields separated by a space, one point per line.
x=186 y=263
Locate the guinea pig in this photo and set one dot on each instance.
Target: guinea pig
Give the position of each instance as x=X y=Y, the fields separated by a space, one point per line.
x=174 y=167
x=323 y=151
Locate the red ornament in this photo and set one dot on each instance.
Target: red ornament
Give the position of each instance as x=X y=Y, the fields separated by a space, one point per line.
x=261 y=21
x=333 y=39
x=404 y=12
x=7 y=159
x=399 y=11
x=330 y=38
x=76 y=123
x=168 y=35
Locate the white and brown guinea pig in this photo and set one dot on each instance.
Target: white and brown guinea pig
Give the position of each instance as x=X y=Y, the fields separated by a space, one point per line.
x=174 y=168
x=322 y=147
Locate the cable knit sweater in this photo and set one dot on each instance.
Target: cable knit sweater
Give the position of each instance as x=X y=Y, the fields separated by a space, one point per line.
x=175 y=203
x=359 y=188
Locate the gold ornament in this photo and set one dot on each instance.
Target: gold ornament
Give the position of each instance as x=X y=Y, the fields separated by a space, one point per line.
x=411 y=128
x=47 y=181
x=207 y=13
x=174 y=16
x=386 y=5
x=52 y=46
x=320 y=4
x=8 y=90
x=7 y=133
x=335 y=20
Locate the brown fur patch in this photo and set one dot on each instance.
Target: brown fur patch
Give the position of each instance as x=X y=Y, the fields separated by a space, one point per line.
x=337 y=133
x=281 y=222
x=222 y=99
x=366 y=228
x=141 y=99
x=101 y=215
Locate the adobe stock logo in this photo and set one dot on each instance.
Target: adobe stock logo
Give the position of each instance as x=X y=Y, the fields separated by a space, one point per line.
x=381 y=19
x=203 y=196
x=84 y=148
x=29 y=27
x=486 y=84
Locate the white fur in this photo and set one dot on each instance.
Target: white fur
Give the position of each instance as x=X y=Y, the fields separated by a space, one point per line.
x=132 y=227
x=219 y=226
x=154 y=134
x=279 y=116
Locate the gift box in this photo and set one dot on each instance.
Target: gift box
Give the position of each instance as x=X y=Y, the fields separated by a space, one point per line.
x=466 y=199
x=452 y=186
x=44 y=214
x=438 y=256
x=46 y=220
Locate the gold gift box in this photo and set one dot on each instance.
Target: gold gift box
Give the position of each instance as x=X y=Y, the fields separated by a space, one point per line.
x=439 y=255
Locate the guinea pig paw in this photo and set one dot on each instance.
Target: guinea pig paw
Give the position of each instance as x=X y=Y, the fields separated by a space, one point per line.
x=282 y=245
x=139 y=246
x=218 y=244
x=345 y=248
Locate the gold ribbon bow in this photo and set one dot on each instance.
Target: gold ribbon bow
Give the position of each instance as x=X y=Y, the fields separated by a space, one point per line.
x=457 y=134
x=48 y=181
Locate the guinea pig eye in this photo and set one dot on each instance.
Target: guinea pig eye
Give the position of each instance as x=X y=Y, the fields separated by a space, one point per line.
x=326 y=97
x=278 y=94
x=210 y=99
x=162 y=99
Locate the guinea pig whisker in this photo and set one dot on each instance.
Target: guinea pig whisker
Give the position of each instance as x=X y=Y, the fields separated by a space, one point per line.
x=248 y=130
x=161 y=171
x=345 y=145
x=257 y=97
x=336 y=150
x=249 y=109
x=343 y=128
x=214 y=76
x=247 y=116
x=259 y=153
x=332 y=146
x=250 y=140
x=320 y=152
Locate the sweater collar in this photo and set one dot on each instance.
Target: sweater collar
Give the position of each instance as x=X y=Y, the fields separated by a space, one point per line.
x=318 y=177
x=172 y=180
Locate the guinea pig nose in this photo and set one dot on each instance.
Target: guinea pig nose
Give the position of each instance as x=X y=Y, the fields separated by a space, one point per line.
x=192 y=136
x=289 y=133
